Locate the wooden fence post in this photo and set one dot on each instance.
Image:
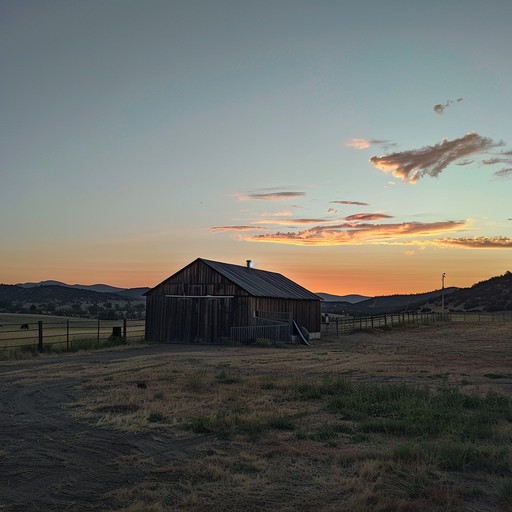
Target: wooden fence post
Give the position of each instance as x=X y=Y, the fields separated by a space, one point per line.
x=124 y=330
x=40 y=329
x=67 y=334
x=98 y=330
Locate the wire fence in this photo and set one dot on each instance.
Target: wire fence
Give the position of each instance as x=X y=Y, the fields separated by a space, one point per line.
x=68 y=334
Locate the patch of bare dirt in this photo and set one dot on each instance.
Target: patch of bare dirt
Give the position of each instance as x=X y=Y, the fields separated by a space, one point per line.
x=50 y=461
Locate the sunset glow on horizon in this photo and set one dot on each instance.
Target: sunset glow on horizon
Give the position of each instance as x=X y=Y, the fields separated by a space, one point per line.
x=139 y=136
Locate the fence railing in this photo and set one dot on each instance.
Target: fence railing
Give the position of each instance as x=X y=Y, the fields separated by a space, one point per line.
x=260 y=332
x=344 y=325
x=67 y=334
x=503 y=316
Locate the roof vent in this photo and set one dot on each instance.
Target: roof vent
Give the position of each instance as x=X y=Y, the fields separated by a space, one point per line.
x=249 y=263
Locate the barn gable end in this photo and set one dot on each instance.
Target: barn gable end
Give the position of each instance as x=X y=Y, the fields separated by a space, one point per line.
x=206 y=299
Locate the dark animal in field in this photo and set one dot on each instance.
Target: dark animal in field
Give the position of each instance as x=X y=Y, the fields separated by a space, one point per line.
x=142 y=385
x=24 y=326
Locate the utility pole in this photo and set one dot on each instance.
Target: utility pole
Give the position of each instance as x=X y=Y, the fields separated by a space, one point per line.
x=442 y=292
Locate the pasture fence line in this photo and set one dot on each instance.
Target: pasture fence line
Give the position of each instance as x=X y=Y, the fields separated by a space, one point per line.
x=337 y=325
x=472 y=316
x=69 y=334
x=74 y=333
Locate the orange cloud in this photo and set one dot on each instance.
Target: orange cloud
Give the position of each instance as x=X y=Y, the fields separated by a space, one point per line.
x=358 y=143
x=364 y=143
x=358 y=233
x=412 y=165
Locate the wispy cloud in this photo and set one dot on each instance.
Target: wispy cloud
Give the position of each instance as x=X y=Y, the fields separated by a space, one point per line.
x=504 y=173
x=366 y=217
x=364 y=143
x=289 y=222
x=357 y=234
x=280 y=213
x=482 y=242
x=502 y=158
x=236 y=228
x=496 y=160
x=270 y=196
x=356 y=203
x=367 y=143
x=440 y=107
x=413 y=164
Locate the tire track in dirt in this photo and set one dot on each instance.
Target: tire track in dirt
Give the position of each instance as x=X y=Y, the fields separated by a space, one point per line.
x=50 y=461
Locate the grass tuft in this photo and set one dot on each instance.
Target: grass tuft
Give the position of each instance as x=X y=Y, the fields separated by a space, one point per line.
x=156 y=417
x=224 y=378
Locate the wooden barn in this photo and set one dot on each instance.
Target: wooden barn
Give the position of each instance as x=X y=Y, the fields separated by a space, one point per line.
x=213 y=302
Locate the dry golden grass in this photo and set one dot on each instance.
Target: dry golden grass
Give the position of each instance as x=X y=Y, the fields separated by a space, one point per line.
x=410 y=419
x=277 y=441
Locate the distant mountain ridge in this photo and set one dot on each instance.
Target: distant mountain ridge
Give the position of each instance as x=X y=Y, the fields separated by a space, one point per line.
x=494 y=294
x=352 y=299
x=99 y=288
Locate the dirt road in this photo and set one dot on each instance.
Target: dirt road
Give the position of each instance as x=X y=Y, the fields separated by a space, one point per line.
x=48 y=460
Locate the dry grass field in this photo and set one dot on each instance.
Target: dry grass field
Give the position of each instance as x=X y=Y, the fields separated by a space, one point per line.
x=414 y=418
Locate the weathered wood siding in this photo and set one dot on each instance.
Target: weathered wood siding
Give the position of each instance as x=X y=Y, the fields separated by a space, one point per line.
x=193 y=317
x=304 y=312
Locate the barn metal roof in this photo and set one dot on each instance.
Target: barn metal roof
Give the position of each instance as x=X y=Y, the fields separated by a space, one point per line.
x=261 y=283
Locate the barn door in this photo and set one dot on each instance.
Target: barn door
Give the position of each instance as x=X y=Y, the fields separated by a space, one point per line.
x=198 y=319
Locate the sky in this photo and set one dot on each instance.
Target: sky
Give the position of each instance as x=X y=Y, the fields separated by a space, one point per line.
x=354 y=147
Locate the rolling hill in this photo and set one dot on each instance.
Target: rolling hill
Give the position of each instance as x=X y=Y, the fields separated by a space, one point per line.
x=70 y=300
x=385 y=304
x=494 y=294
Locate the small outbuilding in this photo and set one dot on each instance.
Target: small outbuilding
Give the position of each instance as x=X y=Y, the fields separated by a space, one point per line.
x=213 y=302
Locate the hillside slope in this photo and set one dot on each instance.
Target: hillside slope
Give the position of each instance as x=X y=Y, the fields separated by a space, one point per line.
x=66 y=300
x=494 y=294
